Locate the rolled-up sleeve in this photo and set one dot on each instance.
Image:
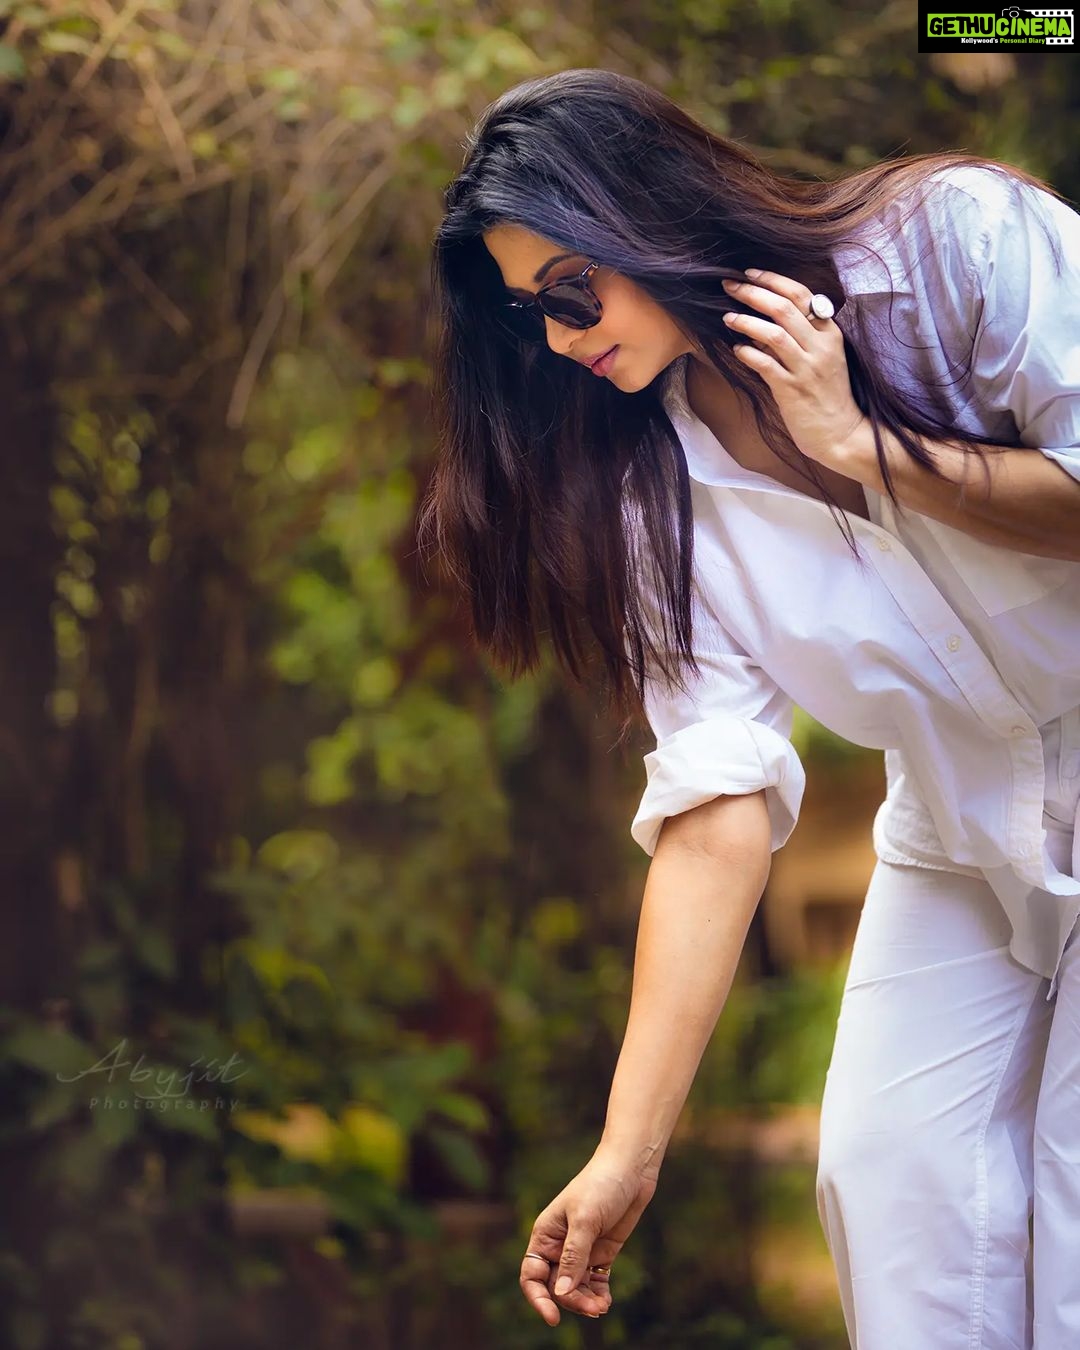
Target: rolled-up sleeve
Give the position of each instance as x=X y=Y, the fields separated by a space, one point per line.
x=729 y=734
x=1025 y=298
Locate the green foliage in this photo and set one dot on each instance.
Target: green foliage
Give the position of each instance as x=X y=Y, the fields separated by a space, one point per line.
x=819 y=745
x=12 y=66
x=789 y=1023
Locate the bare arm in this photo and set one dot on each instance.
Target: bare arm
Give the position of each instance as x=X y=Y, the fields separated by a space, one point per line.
x=708 y=871
x=1023 y=501
x=707 y=876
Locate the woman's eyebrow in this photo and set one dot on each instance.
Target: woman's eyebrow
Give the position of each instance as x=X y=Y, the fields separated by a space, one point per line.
x=544 y=268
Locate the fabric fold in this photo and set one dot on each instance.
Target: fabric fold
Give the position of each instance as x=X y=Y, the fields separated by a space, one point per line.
x=727 y=755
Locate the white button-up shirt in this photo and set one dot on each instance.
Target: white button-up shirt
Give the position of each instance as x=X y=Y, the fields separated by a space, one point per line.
x=959 y=659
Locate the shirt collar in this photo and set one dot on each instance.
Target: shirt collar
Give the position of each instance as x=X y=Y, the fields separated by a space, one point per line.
x=707 y=461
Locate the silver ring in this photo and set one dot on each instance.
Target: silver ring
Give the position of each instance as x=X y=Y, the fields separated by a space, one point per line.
x=821 y=307
x=538 y=1257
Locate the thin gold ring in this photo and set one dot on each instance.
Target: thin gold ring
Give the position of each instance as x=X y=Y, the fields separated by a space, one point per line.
x=599 y=1270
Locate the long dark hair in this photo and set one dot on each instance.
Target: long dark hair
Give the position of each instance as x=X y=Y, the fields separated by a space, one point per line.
x=560 y=505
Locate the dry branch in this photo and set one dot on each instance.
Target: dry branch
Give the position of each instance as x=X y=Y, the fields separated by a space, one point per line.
x=167 y=105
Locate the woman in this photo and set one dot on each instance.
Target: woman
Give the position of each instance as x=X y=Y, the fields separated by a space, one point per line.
x=736 y=442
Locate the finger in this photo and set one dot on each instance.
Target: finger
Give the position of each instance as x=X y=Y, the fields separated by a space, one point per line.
x=574 y=1259
x=766 y=365
x=778 y=340
x=600 y=1284
x=590 y=1301
x=824 y=331
x=539 y=1270
x=783 y=311
x=535 y=1288
x=587 y=1299
x=785 y=301
x=573 y=1277
x=537 y=1279
x=595 y=1283
x=795 y=291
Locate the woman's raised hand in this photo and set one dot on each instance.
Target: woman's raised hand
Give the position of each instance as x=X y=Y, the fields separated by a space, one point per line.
x=802 y=360
x=585 y=1225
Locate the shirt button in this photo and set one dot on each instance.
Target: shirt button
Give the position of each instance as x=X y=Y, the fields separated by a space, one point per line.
x=883 y=544
x=953 y=642
x=1017 y=731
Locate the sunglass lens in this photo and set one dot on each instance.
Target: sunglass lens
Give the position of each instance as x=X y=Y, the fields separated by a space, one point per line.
x=568 y=304
x=571 y=305
x=523 y=323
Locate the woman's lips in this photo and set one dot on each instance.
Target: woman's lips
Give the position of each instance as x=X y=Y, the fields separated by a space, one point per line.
x=606 y=361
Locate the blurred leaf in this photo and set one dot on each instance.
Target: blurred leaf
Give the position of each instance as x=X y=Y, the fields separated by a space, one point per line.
x=155 y=950
x=300 y=854
x=376 y=680
x=330 y=760
x=48 y=1051
x=557 y=921
x=464 y=1110
x=375 y=1141
x=314 y=452
x=191 y=1116
x=358 y=103
x=284 y=79
x=114 y=1124
x=461 y=1156
x=306 y=1133
x=12 y=66
x=59 y=1101
x=275 y=966
x=57 y=41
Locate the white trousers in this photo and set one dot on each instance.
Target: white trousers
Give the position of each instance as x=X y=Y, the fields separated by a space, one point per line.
x=948 y=1181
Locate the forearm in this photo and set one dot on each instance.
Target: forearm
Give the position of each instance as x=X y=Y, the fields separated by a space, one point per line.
x=694 y=918
x=1023 y=500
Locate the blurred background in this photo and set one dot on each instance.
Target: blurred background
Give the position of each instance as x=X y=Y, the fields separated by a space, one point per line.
x=316 y=937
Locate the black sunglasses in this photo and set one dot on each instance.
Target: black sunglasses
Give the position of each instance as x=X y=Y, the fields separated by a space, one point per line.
x=572 y=302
